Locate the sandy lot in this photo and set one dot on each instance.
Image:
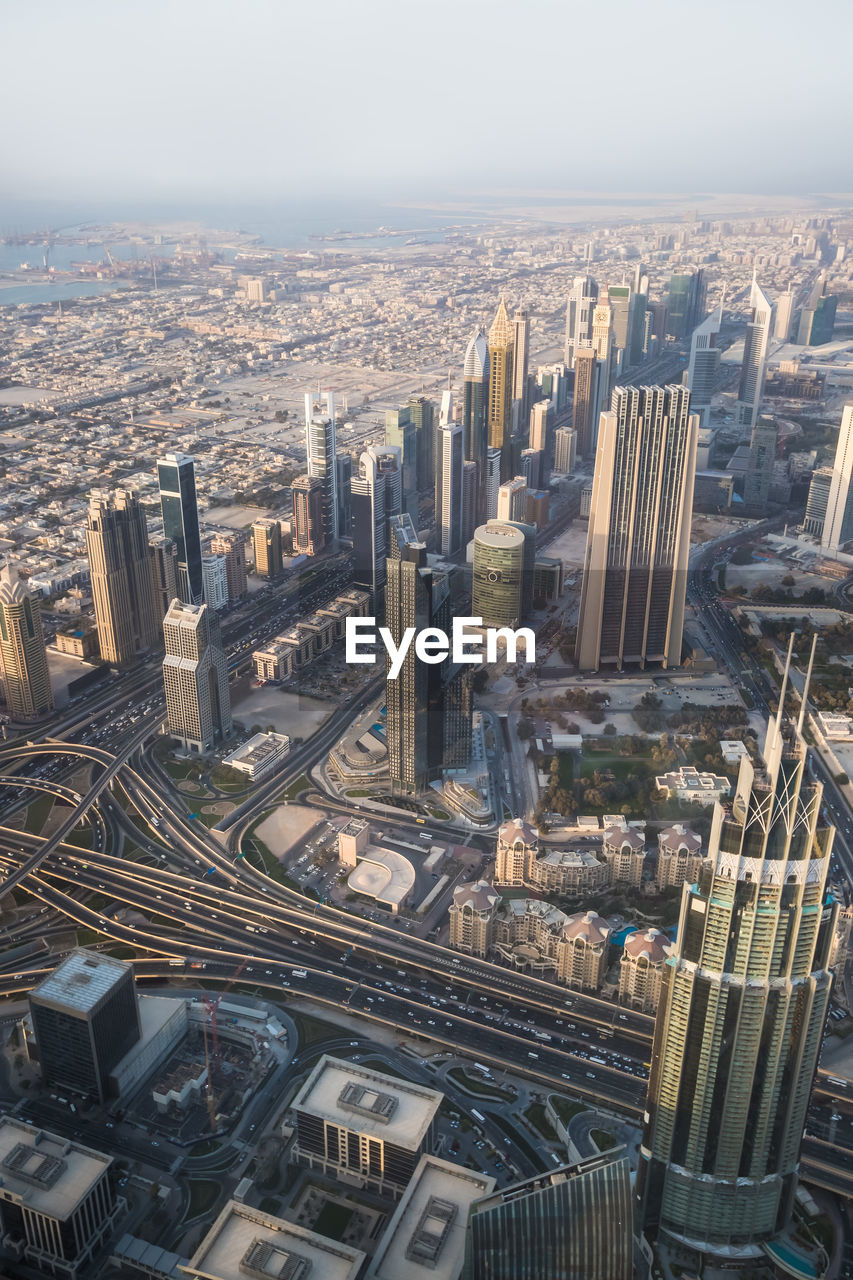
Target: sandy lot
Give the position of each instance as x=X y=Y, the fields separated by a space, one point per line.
x=291 y=713
x=770 y=573
x=570 y=546
x=289 y=825
x=235 y=517
x=63 y=669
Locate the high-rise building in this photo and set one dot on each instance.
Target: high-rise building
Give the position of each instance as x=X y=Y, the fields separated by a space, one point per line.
x=422 y=414
x=520 y=365
x=309 y=525
x=449 y=495
x=635 y=569
x=470 y=500
x=838 y=524
x=540 y=416
x=574 y=1221
x=475 y=402
x=179 y=506
x=377 y=496
x=755 y=351
x=741 y=1016
x=503 y=561
x=85 y=1018
x=492 y=482
x=195 y=677
x=23 y=657
x=501 y=352
x=784 y=316
x=117 y=548
x=163 y=565
x=602 y=345
x=232 y=546
x=817 y=503
x=686 y=303
x=817 y=318
x=215 y=576
x=512 y=499
x=320 y=451
x=401 y=433
x=762 y=458
x=429 y=707
x=587 y=400
x=266 y=542
x=579 y=309
x=343 y=464
x=704 y=366
x=565 y=449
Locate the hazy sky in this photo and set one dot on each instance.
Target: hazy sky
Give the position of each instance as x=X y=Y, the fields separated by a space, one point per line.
x=289 y=99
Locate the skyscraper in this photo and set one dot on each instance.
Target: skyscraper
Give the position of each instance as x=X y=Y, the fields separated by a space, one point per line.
x=195 y=677
x=215 y=574
x=686 y=303
x=501 y=351
x=470 y=499
x=429 y=707
x=492 y=482
x=343 y=465
x=512 y=499
x=178 y=503
x=784 y=315
x=232 y=546
x=741 y=1015
x=502 y=589
x=587 y=401
x=85 y=1018
x=475 y=407
x=635 y=569
x=320 y=451
x=838 y=524
x=602 y=345
x=449 y=495
x=163 y=565
x=565 y=446
x=817 y=318
x=520 y=363
x=756 y=347
x=762 y=458
x=309 y=524
x=422 y=414
x=266 y=542
x=117 y=547
x=704 y=364
x=401 y=433
x=23 y=658
x=817 y=502
x=579 y=308
x=377 y=495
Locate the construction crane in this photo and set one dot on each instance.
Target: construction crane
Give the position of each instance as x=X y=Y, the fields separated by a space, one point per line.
x=211 y=1007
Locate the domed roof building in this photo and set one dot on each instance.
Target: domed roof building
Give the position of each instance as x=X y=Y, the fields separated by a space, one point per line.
x=517 y=847
x=679 y=856
x=472 y=915
x=641 y=968
x=583 y=951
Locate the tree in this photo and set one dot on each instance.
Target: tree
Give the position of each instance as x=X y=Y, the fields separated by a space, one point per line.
x=610 y=730
x=524 y=729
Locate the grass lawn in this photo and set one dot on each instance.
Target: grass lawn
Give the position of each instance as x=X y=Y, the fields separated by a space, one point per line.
x=471 y=1084
x=565 y=1108
x=203 y=1196
x=296 y=788
x=621 y=766
x=80 y=837
x=333 y=1220
x=603 y=1140
x=535 y=1113
x=311 y=1030
x=38 y=813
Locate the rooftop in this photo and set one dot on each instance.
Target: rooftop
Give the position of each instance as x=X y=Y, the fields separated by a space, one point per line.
x=426 y=1236
x=404 y=1117
x=43 y=1172
x=81 y=981
x=245 y=1243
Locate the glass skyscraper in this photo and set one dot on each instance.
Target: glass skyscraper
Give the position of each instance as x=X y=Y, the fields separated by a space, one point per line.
x=178 y=503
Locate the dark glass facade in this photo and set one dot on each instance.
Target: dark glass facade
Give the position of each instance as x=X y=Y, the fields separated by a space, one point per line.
x=179 y=506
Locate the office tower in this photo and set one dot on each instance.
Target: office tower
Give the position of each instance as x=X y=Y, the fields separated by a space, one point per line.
x=492 y=482
x=117 y=548
x=817 y=503
x=178 y=503
x=266 y=541
x=587 y=401
x=742 y=1010
x=635 y=569
x=401 y=434
x=539 y=434
x=504 y=554
x=762 y=458
x=512 y=499
x=309 y=536
x=233 y=547
x=449 y=495
x=574 y=1222
x=817 y=318
x=531 y=467
x=422 y=414
x=538 y=508
x=58 y=1202
x=602 y=345
x=85 y=1018
x=23 y=658
x=755 y=350
x=475 y=398
x=685 y=304
x=343 y=464
x=520 y=363
x=838 y=525
x=552 y=381
x=784 y=316
x=704 y=366
x=429 y=706
x=619 y=301
x=470 y=500
x=320 y=452
x=215 y=577
x=377 y=496
x=195 y=676
x=501 y=351
x=253 y=1244
x=579 y=308
x=565 y=446
x=163 y=566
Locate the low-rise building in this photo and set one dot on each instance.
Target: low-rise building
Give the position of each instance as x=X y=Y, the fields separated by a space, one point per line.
x=262 y=754
x=299 y=646
x=245 y=1243
x=528 y=934
x=472 y=917
x=81 y=642
x=582 y=959
x=624 y=852
x=732 y=750
x=688 y=784
x=519 y=861
x=641 y=968
x=679 y=856
x=363 y=1127
x=835 y=725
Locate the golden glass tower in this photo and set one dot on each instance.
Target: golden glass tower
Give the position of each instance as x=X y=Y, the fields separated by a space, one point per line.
x=23 y=659
x=501 y=353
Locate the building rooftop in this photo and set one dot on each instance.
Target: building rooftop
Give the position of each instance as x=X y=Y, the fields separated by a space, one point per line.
x=383 y=874
x=677 y=837
x=46 y=1173
x=426 y=1235
x=81 y=981
x=480 y=896
x=405 y=1123
x=259 y=748
x=245 y=1244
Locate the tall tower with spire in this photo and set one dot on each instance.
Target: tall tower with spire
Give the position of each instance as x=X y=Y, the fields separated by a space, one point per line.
x=755 y=352
x=501 y=372
x=742 y=1010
